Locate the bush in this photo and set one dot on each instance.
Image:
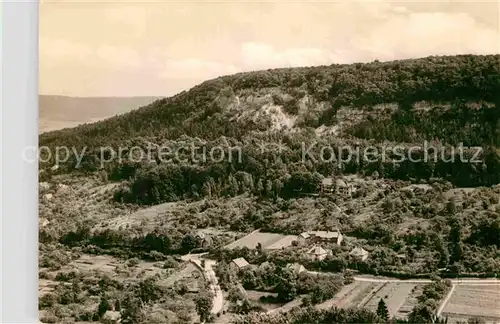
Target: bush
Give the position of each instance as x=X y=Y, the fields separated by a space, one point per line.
x=46 y=301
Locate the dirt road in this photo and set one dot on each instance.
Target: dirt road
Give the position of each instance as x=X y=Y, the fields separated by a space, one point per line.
x=209 y=273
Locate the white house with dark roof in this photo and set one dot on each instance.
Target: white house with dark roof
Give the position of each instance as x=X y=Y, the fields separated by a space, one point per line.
x=327 y=185
x=359 y=253
x=318 y=253
x=326 y=236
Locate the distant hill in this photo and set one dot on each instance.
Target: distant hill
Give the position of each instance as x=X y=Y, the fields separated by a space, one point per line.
x=58 y=112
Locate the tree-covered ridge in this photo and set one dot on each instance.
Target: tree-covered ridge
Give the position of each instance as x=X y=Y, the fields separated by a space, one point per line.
x=198 y=112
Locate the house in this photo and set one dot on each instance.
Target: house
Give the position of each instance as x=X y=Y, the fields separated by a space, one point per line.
x=326 y=236
x=327 y=185
x=303 y=237
x=317 y=253
x=342 y=188
x=239 y=264
x=296 y=267
x=203 y=239
x=359 y=253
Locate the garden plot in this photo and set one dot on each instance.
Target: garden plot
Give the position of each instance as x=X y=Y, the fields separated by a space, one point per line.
x=474 y=301
x=397 y=296
x=271 y=241
x=410 y=302
x=394 y=295
x=351 y=295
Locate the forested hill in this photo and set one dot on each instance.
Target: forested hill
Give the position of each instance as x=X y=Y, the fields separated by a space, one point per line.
x=202 y=111
x=448 y=99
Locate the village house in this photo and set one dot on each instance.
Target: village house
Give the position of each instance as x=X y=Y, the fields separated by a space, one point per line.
x=339 y=187
x=342 y=188
x=322 y=236
x=203 y=239
x=317 y=253
x=359 y=253
x=296 y=267
x=239 y=264
x=327 y=186
x=303 y=237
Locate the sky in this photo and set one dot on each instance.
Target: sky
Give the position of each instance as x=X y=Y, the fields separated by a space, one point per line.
x=159 y=48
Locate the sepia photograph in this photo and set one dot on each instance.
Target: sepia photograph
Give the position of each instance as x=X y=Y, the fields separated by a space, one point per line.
x=268 y=162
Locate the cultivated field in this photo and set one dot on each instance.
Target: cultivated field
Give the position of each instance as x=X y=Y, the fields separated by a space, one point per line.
x=397 y=296
x=394 y=295
x=269 y=241
x=474 y=301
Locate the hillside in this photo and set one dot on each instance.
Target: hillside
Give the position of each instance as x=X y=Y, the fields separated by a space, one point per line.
x=58 y=112
x=319 y=91
x=417 y=217
x=448 y=100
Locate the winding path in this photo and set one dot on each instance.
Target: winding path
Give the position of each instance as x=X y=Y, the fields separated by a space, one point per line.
x=209 y=274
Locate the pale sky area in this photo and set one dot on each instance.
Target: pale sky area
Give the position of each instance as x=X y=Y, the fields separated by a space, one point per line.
x=141 y=48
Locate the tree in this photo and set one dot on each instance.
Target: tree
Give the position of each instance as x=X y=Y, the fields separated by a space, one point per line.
x=131 y=310
x=188 y=243
x=103 y=307
x=382 y=311
x=203 y=304
x=455 y=239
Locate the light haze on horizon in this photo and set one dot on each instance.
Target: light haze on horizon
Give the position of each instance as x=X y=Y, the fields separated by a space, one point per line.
x=145 y=48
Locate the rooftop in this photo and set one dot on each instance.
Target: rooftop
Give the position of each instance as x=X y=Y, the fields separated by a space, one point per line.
x=241 y=262
x=317 y=250
x=358 y=251
x=327 y=182
x=325 y=234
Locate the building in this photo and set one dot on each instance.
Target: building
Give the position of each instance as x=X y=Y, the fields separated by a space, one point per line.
x=359 y=253
x=327 y=185
x=296 y=267
x=326 y=236
x=342 y=188
x=203 y=239
x=303 y=237
x=317 y=253
x=239 y=264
